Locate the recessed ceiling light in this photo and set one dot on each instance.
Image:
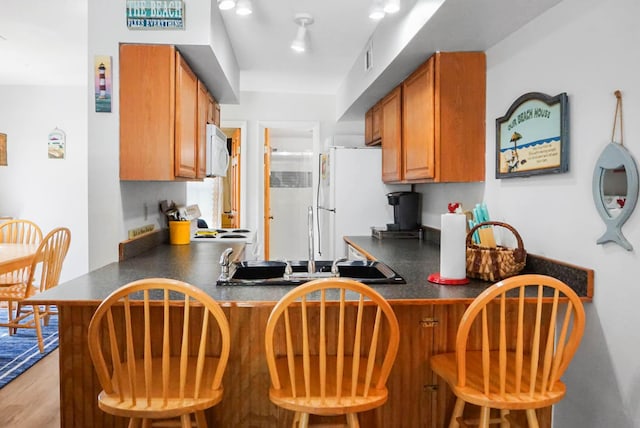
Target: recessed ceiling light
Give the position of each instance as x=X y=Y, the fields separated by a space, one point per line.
x=377 y=10
x=226 y=4
x=244 y=8
x=391 y=6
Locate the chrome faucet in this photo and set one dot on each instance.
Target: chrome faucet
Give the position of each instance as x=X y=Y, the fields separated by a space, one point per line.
x=311 y=264
x=288 y=270
x=334 y=265
x=225 y=263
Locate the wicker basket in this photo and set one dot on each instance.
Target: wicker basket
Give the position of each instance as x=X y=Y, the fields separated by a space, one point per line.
x=494 y=264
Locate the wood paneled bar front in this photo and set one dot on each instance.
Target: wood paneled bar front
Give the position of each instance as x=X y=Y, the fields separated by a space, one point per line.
x=428 y=315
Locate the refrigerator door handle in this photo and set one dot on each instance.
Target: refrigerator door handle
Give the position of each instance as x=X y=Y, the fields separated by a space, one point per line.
x=318 y=202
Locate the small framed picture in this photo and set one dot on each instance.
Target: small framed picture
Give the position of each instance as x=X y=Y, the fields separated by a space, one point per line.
x=3 y=150
x=533 y=136
x=102 y=68
x=56 y=146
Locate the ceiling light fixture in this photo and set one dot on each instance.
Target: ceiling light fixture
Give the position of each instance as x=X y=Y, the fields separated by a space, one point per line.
x=243 y=7
x=299 y=44
x=377 y=10
x=226 y=4
x=392 y=6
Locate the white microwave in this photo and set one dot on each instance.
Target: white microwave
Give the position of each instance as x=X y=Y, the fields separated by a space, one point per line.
x=217 y=153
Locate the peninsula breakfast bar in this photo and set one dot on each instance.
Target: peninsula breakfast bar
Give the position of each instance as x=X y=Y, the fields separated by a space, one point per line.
x=428 y=315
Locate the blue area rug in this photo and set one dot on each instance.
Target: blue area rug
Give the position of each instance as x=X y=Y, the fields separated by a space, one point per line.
x=20 y=351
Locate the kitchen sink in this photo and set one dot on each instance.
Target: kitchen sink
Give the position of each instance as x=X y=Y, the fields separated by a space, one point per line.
x=271 y=272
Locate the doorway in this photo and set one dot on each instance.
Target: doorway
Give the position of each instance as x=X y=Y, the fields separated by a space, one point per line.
x=289 y=184
x=219 y=198
x=230 y=212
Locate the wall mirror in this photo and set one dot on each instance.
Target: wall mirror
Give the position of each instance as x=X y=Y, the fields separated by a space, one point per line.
x=615 y=191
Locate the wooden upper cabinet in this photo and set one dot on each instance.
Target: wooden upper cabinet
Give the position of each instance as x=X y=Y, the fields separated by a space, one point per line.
x=368 y=127
x=418 y=125
x=186 y=119
x=376 y=123
x=216 y=113
x=460 y=132
x=391 y=135
x=443 y=121
x=161 y=118
x=204 y=101
x=147 y=112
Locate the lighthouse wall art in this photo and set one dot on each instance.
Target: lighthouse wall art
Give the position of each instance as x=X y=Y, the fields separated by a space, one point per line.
x=102 y=68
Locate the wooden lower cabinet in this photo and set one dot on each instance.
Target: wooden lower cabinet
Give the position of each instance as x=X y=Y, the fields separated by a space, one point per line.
x=417 y=398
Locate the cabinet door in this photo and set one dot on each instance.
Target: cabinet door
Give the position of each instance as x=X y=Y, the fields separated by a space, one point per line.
x=418 y=123
x=391 y=107
x=203 y=111
x=186 y=119
x=216 y=113
x=210 y=109
x=368 y=127
x=376 y=123
x=410 y=383
x=461 y=85
x=147 y=91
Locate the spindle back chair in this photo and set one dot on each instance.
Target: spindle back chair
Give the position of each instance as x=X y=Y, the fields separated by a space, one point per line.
x=159 y=348
x=519 y=366
x=330 y=346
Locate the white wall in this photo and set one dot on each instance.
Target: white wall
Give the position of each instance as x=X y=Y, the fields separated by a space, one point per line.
x=587 y=49
x=50 y=192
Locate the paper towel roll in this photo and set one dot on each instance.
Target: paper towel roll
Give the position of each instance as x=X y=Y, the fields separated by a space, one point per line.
x=453 y=234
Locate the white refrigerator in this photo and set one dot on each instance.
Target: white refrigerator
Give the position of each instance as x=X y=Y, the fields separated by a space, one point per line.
x=351 y=197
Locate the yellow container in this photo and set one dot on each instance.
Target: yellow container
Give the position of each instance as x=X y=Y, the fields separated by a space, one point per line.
x=179 y=232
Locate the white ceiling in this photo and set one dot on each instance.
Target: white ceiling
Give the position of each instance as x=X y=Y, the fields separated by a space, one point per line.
x=262 y=40
x=45 y=41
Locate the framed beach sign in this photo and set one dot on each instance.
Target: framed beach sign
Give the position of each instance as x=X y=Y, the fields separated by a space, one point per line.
x=533 y=136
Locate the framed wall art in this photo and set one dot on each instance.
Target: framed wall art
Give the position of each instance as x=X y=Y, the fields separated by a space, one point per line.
x=56 y=144
x=3 y=149
x=102 y=83
x=533 y=136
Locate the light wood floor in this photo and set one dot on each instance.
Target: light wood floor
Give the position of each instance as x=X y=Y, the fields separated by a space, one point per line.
x=33 y=399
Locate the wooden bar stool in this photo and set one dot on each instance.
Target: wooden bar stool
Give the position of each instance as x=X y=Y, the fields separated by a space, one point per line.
x=160 y=348
x=327 y=357
x=519 y=366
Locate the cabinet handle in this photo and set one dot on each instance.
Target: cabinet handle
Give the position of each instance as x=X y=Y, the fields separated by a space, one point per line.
x=428 y=322
x=429 y=388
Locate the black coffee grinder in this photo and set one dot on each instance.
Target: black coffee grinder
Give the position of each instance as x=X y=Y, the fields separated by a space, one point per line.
x=406 y=211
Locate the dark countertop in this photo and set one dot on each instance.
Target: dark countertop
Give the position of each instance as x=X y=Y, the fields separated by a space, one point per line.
x=197 y=264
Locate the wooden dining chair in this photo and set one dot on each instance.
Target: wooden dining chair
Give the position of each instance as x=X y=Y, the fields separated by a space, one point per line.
x=159 y=348
x=58 y=243
x=518 y=365
x=18 y=232
x=44 y=272
x=330 y=346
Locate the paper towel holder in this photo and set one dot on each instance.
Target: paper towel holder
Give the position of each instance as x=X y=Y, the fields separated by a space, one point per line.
x=437 y=279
